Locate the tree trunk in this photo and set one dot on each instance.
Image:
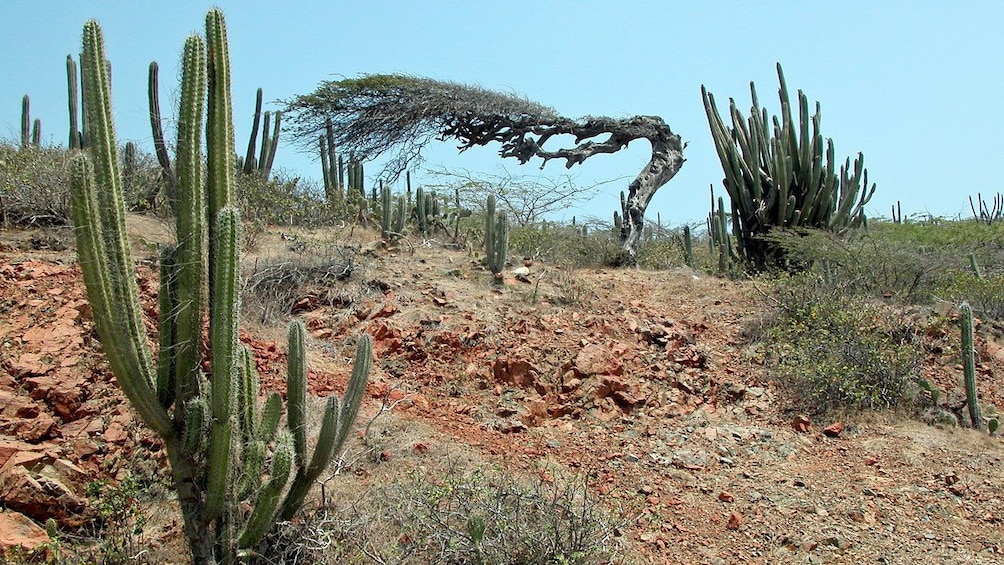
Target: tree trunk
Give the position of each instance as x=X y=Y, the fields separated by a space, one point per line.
x=667 y=158
x=197 y=530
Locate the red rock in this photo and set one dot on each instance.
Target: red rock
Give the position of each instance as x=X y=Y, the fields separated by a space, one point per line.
x=725 y=496
x=596 y=360
x=801 y=423
x=16 y=529
x=735 y=520
x=833 y=430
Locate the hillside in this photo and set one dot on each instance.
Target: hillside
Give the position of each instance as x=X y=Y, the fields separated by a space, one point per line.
x=641 y=382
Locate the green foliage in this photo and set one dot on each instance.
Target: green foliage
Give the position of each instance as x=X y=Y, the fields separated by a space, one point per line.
x=778 y=178
x=984 y=294
x=831 y=350
x=120 y=518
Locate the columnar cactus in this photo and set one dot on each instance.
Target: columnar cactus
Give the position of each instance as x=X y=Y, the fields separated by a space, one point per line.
x=496 y=240
x=385 y=212
x=262 y=165
x=226 y=451
x=332 y=166
x=969 y=364
x=688 y=248
x=779 y=179
x=159 y=146
x=72 y=91
x=31 y=132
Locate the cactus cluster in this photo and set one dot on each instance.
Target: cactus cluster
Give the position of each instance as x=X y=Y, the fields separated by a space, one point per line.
x=785 y=176
x=718 y=235
x=31 y=132
x=496 y=240
x=262 y=165
x=332 y=166
x=236 y=470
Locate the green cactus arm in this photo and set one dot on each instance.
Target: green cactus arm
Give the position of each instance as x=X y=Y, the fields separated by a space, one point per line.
x=159 y=146
x=969 y=365
x=271 y=413
x=335 y=426
x=73 y=98
x=249 y=161
x=166 y=301
x=190 y=220
x=193 y=437
x=247 y=405
x=269 y=147
x=130 y=359
x=264 y=508
x=219 y=127
x=220 y=467
x=99 y=217
x=296 y=390
x=224 y=314
x=356 y=388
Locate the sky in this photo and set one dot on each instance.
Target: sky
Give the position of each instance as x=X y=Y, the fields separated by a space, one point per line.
x=916 y=86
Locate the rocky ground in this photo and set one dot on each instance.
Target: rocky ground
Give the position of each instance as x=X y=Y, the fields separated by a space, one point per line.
x=643 y=382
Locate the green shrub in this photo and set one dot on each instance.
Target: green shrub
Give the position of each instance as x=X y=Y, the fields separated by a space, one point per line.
x=833 y=351
x=282 y=200
x=985 y=295
x=463 y=516
x=869 y=264
x=34 y=186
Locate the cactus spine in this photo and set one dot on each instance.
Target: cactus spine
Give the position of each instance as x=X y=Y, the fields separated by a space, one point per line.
x=212 y=425
x=496 y=240
x=969 y=364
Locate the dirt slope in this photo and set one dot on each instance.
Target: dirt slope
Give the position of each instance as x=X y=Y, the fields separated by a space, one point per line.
x=639 y=380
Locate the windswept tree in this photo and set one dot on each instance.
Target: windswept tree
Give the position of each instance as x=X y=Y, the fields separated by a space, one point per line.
x=400 y=115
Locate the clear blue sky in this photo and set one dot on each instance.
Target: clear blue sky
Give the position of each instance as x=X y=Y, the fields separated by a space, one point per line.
x=917 y=86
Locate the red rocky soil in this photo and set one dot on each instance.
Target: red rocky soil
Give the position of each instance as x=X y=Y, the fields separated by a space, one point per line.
x=639 y=380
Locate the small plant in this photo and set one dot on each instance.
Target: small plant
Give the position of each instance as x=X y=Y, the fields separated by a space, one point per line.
x=120 y=519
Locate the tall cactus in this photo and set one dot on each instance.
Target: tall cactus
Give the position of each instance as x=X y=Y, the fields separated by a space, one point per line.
x=969 y=365
x=779 y=179
x=159 y=145
x=496 y=240
x=226 y=451
x=73 y=97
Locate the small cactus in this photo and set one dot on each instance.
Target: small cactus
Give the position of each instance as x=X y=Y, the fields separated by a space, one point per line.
x=969 y=364
x=496 y=240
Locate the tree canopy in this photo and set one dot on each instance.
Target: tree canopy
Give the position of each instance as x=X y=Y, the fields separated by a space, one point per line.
x=399 y=115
